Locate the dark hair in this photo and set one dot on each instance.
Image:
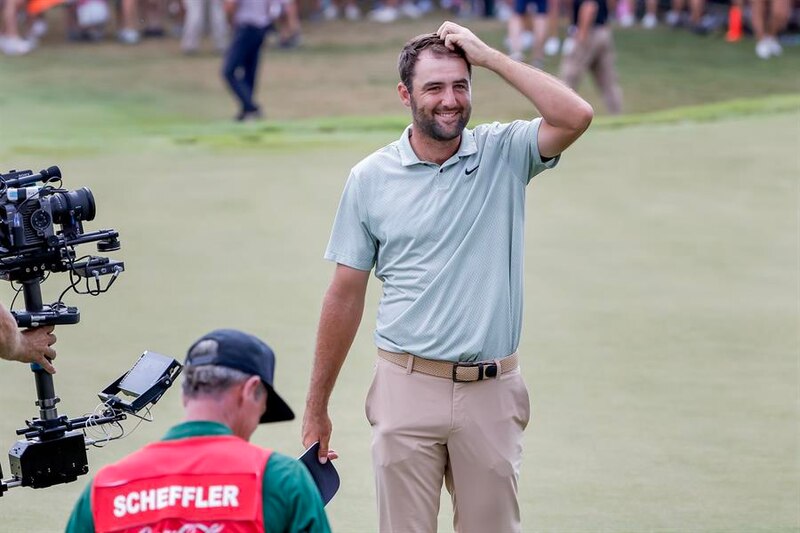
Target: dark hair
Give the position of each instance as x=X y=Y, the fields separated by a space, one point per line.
x=413 y=48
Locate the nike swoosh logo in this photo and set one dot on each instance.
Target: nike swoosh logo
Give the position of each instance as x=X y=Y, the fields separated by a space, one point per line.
x=468 y=172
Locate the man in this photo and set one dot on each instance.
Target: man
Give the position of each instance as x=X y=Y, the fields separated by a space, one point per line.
x=204 y=475
x=251 y=21
x=592 y=49
x=538 y=11
x=439 y=214
x=29 y=346
x=194 y=24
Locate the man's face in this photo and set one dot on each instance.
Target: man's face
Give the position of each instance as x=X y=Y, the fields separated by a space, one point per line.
x=441 y=100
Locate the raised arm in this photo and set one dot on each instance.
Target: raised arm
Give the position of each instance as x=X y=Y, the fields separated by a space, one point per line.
x=342 y=309
x=565 y=115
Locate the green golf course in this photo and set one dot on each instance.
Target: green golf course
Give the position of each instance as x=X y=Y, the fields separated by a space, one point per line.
x=660 y=340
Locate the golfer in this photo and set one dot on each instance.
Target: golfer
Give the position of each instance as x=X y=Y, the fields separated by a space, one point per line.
x=439 y=215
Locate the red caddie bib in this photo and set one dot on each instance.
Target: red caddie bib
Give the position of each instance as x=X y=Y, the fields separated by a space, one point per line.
x=210 y=484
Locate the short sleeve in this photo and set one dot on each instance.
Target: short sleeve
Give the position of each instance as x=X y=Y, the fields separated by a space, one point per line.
x=522 y=143
x=351 y=242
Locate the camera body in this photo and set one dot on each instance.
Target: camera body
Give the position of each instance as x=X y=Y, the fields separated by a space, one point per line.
x=41 y=224
x=31 y=213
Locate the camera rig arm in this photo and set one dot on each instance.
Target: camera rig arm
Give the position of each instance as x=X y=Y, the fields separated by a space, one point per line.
x=40 y=228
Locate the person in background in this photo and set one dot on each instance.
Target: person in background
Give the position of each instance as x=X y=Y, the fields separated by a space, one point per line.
x=675 y=15
x=591 y=49
x=11 y=41
x=537 y=10
x=251 y=20
x=194 y=25
x=769 y=18
x=289 y=31
x=128 y=22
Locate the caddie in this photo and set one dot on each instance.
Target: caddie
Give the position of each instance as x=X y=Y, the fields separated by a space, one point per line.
x=205 y=475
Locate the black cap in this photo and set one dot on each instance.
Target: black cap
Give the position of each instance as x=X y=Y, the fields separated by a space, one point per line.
x=241 y=351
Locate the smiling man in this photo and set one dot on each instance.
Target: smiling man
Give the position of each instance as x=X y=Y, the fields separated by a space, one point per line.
x=439 y=214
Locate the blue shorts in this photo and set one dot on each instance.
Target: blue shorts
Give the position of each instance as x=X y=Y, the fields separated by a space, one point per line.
x=521 y=6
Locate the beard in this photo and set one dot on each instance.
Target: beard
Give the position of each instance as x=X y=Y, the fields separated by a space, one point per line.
x=426 y=122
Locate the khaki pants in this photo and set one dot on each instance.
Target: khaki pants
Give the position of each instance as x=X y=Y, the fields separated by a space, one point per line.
x=597 y=56
x=194 y=24
x=427 y=429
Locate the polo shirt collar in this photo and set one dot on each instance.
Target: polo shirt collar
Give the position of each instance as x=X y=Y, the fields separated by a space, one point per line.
x=197 y=428
x=408 y=157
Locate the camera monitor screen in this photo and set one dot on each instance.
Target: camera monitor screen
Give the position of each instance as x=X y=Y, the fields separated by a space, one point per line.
x=147 y=370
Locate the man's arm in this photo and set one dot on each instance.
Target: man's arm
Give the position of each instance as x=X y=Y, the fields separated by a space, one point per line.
x=342 y=309
x=29 y=346
x=565 y=115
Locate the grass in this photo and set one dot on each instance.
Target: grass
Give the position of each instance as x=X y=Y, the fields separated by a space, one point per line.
x=660 y=340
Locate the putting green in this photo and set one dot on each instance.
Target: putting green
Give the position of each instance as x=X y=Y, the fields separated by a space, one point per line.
x=660 y=340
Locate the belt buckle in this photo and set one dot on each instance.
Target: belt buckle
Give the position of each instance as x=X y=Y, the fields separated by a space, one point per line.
x=489 y=372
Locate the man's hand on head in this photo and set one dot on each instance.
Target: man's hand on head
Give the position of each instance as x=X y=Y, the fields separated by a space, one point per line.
x=478 y=53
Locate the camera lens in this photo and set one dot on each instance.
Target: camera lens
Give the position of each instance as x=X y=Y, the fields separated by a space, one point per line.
x=80 y=203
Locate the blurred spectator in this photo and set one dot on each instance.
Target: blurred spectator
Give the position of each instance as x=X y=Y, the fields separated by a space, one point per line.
x=698 y=24
x=336 y=7
x=128 y=22
x=289 y=33
x=391 y=10
x=194 y=24
x=591 y=48
x=251 y=22
x=624 y=12
x=650 y=18
x=768 y=22
x=537 y=10
x=552 y=44
x=155 y=18
x=91 y=17
x=11 y=41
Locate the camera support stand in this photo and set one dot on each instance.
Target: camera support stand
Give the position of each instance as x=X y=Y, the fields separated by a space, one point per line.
x=54 y=449
x=45 y=390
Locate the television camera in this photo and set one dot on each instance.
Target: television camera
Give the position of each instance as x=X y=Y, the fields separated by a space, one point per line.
x=41 y=224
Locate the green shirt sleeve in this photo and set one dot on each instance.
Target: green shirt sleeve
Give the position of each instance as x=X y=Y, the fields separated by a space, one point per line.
x=81 y=521
x=292 y=503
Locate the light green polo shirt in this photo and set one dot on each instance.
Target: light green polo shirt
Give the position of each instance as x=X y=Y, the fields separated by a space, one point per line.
x=445 y=240
x=292 y=502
